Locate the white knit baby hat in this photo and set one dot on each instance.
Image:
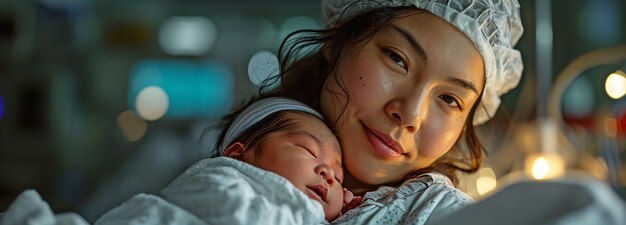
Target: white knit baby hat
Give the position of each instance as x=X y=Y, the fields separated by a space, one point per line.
x=258 y=111
x=493 y=25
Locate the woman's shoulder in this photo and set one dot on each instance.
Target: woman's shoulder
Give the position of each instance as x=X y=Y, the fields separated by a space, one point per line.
x=417 y=200
x=435 y=184
x=426 y=186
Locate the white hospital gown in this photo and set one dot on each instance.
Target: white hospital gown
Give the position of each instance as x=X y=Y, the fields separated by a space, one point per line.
x=227 y=191
x=421 y=200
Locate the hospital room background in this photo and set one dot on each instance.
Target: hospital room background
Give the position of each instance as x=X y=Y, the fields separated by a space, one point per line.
x=103 y=99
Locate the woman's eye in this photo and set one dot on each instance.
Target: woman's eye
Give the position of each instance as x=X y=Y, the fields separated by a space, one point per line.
x=452 y=101
x=396 y=59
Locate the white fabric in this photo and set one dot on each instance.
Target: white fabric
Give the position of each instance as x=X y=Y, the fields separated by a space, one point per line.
x=227 y=191
x=256 y=112
x=568 y=201
x=145 y=209
x=29 y=208
x=213 y=191
x=493 y=26
x=428 y=199
x=417 y=201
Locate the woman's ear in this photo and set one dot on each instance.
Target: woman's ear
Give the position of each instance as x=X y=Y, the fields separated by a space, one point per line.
x=235 y=150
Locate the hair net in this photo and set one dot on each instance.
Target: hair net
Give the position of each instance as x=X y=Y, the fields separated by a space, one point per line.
x=258 y=111
x=493 y=25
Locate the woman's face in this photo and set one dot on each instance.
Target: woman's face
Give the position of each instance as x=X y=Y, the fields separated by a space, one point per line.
x=410 y=91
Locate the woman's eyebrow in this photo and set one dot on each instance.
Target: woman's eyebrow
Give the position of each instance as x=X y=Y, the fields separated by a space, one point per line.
x=463 y=83
x=411 y=39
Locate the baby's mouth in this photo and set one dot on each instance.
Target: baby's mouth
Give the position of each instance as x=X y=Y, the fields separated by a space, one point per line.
x=320 y=191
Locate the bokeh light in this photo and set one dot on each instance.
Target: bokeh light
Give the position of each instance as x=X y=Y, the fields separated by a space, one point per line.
x=187 y=35
x=152 y=103
x=615 y=84
x=486 y=181
x=545 y=166
x=194 y=89
x=610 y=126
x=541 y=168
x=262 y=65
x=2 y=107
x=597 y=167
x=131 y=125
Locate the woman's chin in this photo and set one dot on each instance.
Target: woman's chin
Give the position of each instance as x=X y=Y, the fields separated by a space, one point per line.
x=362 y=178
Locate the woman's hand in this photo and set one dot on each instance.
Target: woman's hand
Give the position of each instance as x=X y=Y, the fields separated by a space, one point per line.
x=350 y=201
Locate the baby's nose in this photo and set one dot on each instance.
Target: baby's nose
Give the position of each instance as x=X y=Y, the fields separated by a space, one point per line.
x=326 y=172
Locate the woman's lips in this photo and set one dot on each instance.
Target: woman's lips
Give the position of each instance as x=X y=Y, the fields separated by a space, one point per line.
x=383 y=145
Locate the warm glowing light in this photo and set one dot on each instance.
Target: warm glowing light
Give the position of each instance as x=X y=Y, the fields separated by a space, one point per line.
x=545 y=166
x=132 y=126
x=152 y=103
x=615 y=84
x=182 y=35
x=610 y=126
x=262 y=65
x=486 y=181
x=598 y=168
x=541 y=168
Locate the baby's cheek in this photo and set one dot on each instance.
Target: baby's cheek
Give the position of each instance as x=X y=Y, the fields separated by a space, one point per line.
x=337 y=200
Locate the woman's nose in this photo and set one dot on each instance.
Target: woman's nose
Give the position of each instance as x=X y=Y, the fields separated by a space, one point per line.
x=326 y=172
x=408 y=112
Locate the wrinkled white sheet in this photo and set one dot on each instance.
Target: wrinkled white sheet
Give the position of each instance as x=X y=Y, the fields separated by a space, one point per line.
x=562 y=202
x=149 y=210
x=29 y=208
x=227 y=191
x=212 y=191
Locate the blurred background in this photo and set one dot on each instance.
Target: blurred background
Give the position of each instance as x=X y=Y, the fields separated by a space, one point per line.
x=103 y=99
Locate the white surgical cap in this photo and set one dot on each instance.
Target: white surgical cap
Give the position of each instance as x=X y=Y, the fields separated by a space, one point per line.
x=493 y=25
x=258 y=111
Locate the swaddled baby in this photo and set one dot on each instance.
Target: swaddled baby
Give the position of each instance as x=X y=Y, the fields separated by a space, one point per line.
x=274 y=136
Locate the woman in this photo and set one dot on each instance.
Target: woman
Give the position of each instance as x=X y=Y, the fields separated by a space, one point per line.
x=403 y=83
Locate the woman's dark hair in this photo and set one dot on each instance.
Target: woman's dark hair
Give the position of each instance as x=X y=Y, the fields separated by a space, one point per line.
x=304 y=73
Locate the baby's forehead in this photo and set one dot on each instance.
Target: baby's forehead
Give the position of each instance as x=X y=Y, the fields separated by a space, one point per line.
x=302 y=121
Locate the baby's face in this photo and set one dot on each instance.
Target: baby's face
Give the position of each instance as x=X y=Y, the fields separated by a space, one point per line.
x=309 y=156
